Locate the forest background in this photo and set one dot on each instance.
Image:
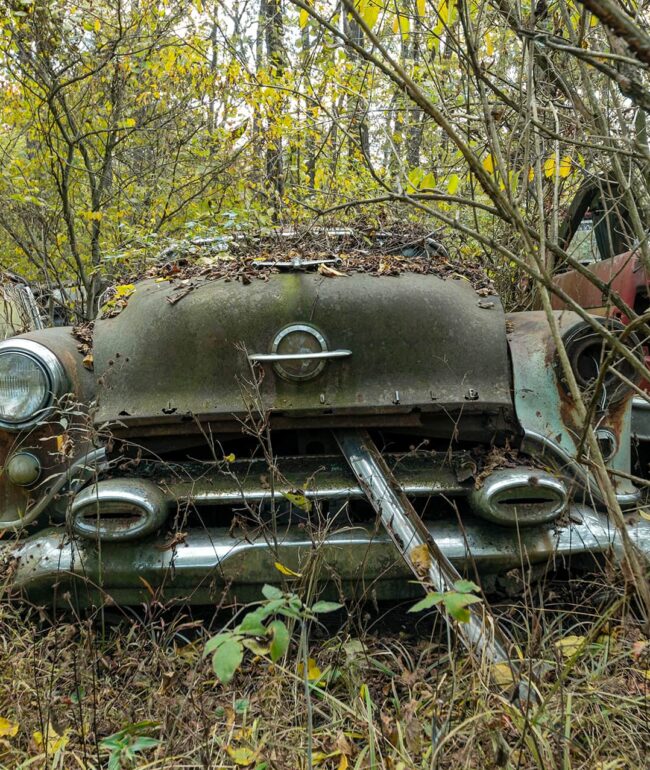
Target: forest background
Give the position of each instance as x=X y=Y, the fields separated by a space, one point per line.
x=130 y=125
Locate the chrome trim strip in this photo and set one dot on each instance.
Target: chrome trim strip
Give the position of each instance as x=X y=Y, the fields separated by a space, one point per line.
x=299 y=356
x=410 y=534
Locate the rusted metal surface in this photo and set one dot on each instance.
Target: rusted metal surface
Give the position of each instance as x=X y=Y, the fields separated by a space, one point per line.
x=72 y=474
x=547 y=414
x=431 y=341
x=623 y=274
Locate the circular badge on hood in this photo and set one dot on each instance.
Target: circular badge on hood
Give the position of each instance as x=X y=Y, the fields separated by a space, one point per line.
x=299 y=348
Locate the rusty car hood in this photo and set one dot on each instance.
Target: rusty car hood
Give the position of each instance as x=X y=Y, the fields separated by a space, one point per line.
x=418 y=344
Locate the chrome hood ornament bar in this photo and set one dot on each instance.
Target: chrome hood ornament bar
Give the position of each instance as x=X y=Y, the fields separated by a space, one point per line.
x=480 y=635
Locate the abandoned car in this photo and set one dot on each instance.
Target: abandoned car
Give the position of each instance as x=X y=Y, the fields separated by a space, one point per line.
x=19 y=311
x=598 y=234
x=251 y=421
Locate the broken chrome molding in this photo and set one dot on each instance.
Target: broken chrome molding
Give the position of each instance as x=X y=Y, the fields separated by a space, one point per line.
x=538 y=445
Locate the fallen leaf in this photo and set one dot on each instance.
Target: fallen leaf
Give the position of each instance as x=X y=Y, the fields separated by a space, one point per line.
x=241 y=755
x=313 y=672
x=8 y=728
x=502 y=674
x=421 y=558
x=54 y=743
x=285 y=570
x=570 y=645
x=330 y=272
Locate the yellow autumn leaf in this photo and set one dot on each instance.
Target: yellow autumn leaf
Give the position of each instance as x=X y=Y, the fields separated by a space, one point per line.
x=298 y=499
x=303 y=18
x=229 y=458
x=488 y=163
x=370 y=13
x=489 y=46
x=401 y=24
x=420 y=558
x=8 y=728
x=97 y=25
x=443 y=11
x=454 y=181
x=421 y=7
x=241 y=755
x=343 y=764
x=644 y=514
x=285 y=570
x=124 y=290
x=428 y=181
x=565 y=167
x=313 y=672
x=55 y=742
x=549 y=166
x=502 y=675
x=570 y=645
x=531 y=174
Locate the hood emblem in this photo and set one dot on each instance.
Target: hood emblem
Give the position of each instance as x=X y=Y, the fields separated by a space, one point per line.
x=299 y=352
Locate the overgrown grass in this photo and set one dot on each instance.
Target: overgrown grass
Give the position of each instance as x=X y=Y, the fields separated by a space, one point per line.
x=80 y=693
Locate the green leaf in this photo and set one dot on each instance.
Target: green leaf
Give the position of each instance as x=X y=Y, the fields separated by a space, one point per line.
x=212 y=644
x=227 y=660
x=430 y=600
x=142 y=743
x=466 y=586
x=271 y=592
x=322 y=607
x=280 y=640
x=457 y=604
x=252 y=624
x=270 y=608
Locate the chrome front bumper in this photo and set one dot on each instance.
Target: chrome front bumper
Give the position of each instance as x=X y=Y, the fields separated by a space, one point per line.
x=213 y=563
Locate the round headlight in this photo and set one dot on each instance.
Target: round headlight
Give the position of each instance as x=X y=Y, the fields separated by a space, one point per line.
x=31 y=377
x=589 y=351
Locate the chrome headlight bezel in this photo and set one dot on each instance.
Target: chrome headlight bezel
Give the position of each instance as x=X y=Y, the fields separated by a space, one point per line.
x=581 y=340
x=54 y=374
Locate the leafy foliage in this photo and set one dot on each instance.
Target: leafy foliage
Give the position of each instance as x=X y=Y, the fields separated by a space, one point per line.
x=261 y=634
x=455 y=602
